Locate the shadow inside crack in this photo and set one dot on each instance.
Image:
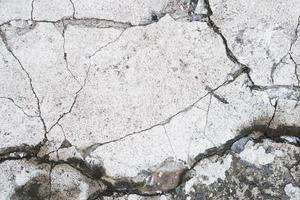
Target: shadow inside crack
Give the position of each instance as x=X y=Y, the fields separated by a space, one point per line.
x=163 y=179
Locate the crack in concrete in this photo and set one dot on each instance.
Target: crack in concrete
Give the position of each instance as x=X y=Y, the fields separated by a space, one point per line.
x=92 y=21
x=170 y=143
x=297 y=75
x=206 y=120
x=74 y=10
x=65 y=144
x=289 y=53
x=268 y=87
x=290 y=92
x=66 y=55
x=73 y=103
x=295 y=34
x=243 y=68
x=167 y=10
x=218 y=97
x=107 y=44
x=93 y=147
x=275 y=65
x=28 y=152
x=230 y=54
x=97 y=172
x=46 y=131
x=87 y=21
x=233 y=76
x=19 y=107
x=275 y=105
x=19 y=152
x=267 y=133
x=4 y=40
x=32 y=9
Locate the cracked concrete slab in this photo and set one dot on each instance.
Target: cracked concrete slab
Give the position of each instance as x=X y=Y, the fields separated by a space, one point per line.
x=261 y=170
x=260 y=33
x=154 y=100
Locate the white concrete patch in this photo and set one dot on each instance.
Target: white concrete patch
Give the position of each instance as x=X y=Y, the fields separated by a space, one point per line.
x=83 y=191
x=256 y=155
x=292 y=191
x=208 y=172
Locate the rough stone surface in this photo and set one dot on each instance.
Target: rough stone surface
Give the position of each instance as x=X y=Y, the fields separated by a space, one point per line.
x=149 y=100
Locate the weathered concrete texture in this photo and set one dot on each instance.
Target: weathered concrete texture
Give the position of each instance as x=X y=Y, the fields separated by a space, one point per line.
x=263 y=35
x=241 y=174
x=154 y=100
x=260 y=171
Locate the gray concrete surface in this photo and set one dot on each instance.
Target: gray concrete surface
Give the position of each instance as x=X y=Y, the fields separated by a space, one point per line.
x=149 y=100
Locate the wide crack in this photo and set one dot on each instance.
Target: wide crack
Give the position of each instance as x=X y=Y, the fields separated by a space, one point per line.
x=126 y=186
x=122 y=187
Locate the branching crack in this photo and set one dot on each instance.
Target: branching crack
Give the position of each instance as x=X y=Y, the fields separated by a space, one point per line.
x=46 y=131
x=229 y=53
x=293 y=41
x=30 y=152
x=4 y=40
x=93 y=147
x=95 y=172
x=222 y=150
x=274 y=67
x=87 y=151
x=73 y=103
x=218 y=97
x=289 y=92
